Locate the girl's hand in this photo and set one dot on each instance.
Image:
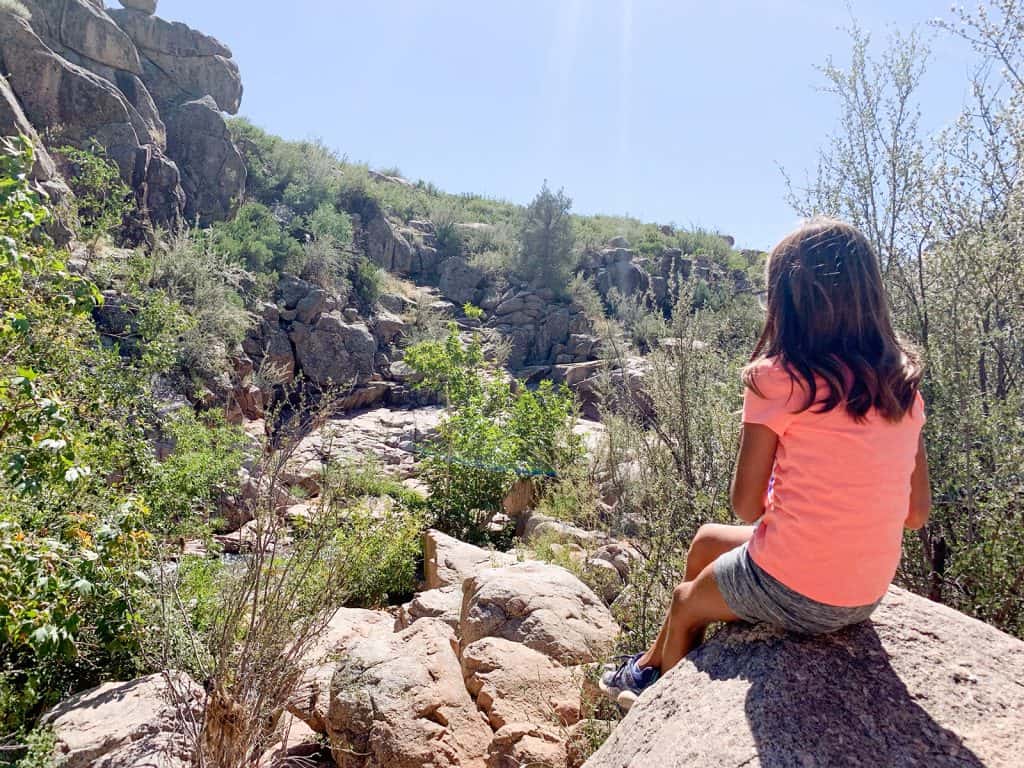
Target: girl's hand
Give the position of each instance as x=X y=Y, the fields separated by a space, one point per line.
x=754 y=464
x=920 y=490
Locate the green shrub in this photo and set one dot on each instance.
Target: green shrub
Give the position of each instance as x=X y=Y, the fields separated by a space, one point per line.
x=327 y=222
x=41 y=745
x=183 y=490
x=255 y=239
x=102 y=200
x=381 y=550
x=490 y=436
x=366 y=281
x=191 y=303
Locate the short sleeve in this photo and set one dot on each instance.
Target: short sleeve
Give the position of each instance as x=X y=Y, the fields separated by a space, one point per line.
x=778 y=400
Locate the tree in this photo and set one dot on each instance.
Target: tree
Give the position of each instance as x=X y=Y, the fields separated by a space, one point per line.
x=547 y=240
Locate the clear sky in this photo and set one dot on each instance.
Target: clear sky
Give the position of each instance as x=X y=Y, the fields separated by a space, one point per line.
x=673 y=111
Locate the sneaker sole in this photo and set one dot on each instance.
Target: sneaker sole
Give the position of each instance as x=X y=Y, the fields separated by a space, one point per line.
x=623 y=697
x=626 y=700
x=611 y=692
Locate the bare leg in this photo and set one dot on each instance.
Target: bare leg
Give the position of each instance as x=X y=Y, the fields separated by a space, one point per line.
x=711 y=541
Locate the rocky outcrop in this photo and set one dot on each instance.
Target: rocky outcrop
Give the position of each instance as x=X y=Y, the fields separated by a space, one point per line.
x=513 y=683
x=150 y=93
x=653 y=279
x=212 y=169
x=149 y=721
x=307 y=332
x=540 y=328
x=919 y=684
x=311 y=698
x=180 y=64
x=45 y=176
x=406 y=250
x=382 y=435
x=146 y=6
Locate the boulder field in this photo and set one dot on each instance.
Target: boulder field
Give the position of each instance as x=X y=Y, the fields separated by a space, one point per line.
x=492 y=666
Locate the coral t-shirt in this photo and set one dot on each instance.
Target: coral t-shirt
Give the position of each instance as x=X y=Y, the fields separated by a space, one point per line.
x=839 y=493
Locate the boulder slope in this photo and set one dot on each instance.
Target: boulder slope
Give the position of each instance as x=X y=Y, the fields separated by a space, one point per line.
x=920 y=684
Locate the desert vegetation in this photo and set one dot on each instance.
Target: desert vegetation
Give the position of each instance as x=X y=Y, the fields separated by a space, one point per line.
x=146 y=526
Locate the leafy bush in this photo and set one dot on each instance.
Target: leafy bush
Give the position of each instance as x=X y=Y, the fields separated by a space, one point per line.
x=102 y=200
x=947 y=231
x=204 y=464
x=71 y=529
x=366 y=281
x=491 y=436
x=255 y=239
x=380 y=550
x=191 y=303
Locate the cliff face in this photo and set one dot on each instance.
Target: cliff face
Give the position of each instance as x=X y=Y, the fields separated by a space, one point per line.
x=150 y=92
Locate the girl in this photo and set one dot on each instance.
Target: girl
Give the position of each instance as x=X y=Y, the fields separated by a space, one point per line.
x=831 y=463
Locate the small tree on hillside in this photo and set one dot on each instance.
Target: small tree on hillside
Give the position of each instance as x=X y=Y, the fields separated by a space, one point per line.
x=547 y=240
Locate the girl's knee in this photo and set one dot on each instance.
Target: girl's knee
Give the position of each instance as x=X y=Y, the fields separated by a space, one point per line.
x=680 y=595
x=701 y=540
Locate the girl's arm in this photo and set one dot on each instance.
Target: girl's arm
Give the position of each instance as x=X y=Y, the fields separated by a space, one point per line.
x=753 y=470
x=920 y=490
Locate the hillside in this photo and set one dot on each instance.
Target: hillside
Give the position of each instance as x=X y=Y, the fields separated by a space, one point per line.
x=307 y=461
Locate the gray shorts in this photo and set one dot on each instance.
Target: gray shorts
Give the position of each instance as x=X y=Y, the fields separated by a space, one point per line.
x=755 y=596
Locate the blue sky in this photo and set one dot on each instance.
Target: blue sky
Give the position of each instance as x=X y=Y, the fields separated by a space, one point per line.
x=669 y=110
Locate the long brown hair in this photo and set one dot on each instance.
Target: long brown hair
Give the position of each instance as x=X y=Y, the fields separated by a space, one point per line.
x=828 y=317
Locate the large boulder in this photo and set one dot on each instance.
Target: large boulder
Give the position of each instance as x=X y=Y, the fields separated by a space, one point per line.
x=448 y=561
x=56 y=93
x=459 y=281
x=334 y=352
x=13 y=122
x=918 y=684
x=310 y=699
x=212 y=169
x=400 y=702
x=541 y=606
x=81 y=27
x=144 y=722
x=387 y=247
x=146 y=6
x=180 y=64
x=444 y=603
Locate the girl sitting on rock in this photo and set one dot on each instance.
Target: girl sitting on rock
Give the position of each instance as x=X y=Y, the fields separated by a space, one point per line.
x=831 y=465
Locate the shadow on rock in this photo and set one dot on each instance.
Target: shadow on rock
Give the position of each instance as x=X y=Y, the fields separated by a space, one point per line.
x=806 y=707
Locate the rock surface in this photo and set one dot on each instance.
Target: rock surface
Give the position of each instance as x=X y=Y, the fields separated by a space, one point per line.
x=382 y=435
x=311 y=699
x=919 y=684
x=513 y=683
x=444 y=604
x=144 y=722
x=400 y=702
x=448 y=561
x=146 y=6
x=542 y=606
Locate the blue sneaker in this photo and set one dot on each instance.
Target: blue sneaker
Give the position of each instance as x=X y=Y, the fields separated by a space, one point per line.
x=623 y=684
